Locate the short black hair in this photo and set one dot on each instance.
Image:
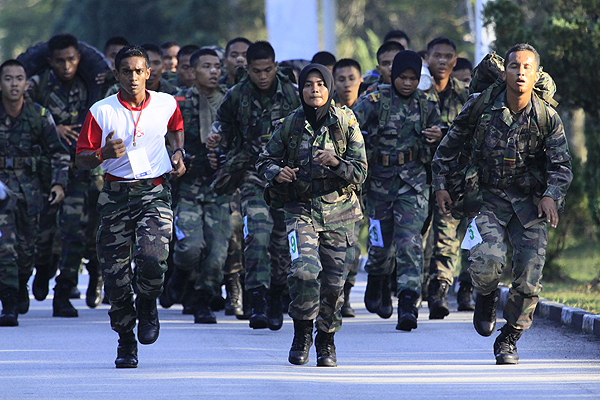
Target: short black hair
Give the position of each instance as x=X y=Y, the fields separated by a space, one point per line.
x=195 y=58
x=261 y=50
x=238 y=39
x=462 y=63
x=389 y=46
x=168 y=44
x=115 y=41
x=61 y=42
x=12 y=63
x=522 y=47
x=324 y=58
x=186 y=50
x=153 y=48
x=440 y=40
x=346 y=62
x=131 y=51
x=396 y=34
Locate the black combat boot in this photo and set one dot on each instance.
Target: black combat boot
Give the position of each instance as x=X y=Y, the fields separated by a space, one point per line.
x=23 y=305
x=259 y=319
x=93 y=295
x=74 y=293
x=386 y=309
x=41 y=281
x=9 y=316
x=127 y=351
x=274 y=313
x=373 y=292
x=407 y=311
x=438 y=304
x=325 y=349
x=347 y=310
x=233 y=287
x=175 y=287
x=302 y=342
x=148 y=326
x=190 y=299
x=464 y=297
x=61 y=306
x=505 y=346
x=204 y=314
x=484 y=317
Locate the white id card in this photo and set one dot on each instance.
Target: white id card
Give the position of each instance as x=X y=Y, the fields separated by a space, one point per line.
x=375 y=233
x=293 y=242
x=140 y=164
x=472 y=236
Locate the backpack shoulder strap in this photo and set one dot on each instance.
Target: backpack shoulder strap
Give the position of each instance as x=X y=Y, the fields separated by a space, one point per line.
x=293 y=126
x=336 y=131
x=385 y=105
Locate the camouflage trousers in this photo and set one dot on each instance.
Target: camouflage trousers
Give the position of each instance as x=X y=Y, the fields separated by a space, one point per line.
x=78 y=224
x=235 y=251
x=48 y=244
x=203 y=230
x=320 y=265
x=400 y=222
x=495 y=221
x=136 y=223
x=442 y=250
x=353 y=270
x=17 y=250
x=266 y=254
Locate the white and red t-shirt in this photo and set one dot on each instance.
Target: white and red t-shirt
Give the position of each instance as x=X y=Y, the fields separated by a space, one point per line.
x=159 y=115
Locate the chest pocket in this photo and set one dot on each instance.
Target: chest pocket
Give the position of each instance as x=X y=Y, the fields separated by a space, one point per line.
x=492 y=137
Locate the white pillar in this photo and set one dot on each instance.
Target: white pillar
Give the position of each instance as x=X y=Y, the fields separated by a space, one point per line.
x=292 y=28
x=483 y=36
x=329 y=14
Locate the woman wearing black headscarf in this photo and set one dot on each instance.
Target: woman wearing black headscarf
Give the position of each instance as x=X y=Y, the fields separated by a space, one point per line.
x=312 y=162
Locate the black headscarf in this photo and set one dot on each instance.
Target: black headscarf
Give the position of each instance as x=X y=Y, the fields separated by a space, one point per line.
x=316 y=116
x=404 y=60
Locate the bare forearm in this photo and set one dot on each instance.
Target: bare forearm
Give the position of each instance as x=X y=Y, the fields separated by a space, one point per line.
x=87 y=160
x=176 y=139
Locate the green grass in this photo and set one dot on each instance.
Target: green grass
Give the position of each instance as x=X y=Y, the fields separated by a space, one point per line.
x=579 y=264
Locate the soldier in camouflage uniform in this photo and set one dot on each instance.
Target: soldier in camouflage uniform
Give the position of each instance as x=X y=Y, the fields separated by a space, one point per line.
x=246 y=120
x=400 y=144
x=135 y=203
x=385 y=58
x=346 y=76
x=442 y=248
x=66 y=95
x=202 y=219
x=321 y=208
x=235 y=57
x=27 y=133
x=519 y=146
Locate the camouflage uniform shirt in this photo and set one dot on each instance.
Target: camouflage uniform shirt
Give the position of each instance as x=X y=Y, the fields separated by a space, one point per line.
x=549 y=162
x=31 y=135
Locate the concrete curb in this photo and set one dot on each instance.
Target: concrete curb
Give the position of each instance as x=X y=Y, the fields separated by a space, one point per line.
x=572 y=317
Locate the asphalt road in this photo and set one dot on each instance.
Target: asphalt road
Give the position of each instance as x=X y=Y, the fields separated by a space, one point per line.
x=60 y=358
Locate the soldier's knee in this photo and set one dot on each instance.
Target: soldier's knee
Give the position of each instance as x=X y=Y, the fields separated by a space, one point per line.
x=187 y=254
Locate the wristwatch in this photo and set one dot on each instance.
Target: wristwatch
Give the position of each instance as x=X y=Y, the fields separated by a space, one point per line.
x=181 y=150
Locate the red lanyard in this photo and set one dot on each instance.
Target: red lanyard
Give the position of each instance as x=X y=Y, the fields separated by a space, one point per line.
x=135 y=123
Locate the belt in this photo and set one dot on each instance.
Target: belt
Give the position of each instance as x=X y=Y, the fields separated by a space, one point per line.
x=111 y=178
x=399 y=158
x=13 y=162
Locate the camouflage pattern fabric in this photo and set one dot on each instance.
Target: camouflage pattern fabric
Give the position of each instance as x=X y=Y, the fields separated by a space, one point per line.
x=397 y=194
x=17 y=250
x=136 y=226
x=495 y=220
x=318 y=274
x=511 y=194
x=265 y=243
x=321 y=230
x=24 y=142
x=235 y=251
x=203 y=230
x=400 y=222
x=445 y=243
x=78 y=223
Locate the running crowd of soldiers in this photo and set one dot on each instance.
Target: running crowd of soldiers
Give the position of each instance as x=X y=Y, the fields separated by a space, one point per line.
x=272 y=207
